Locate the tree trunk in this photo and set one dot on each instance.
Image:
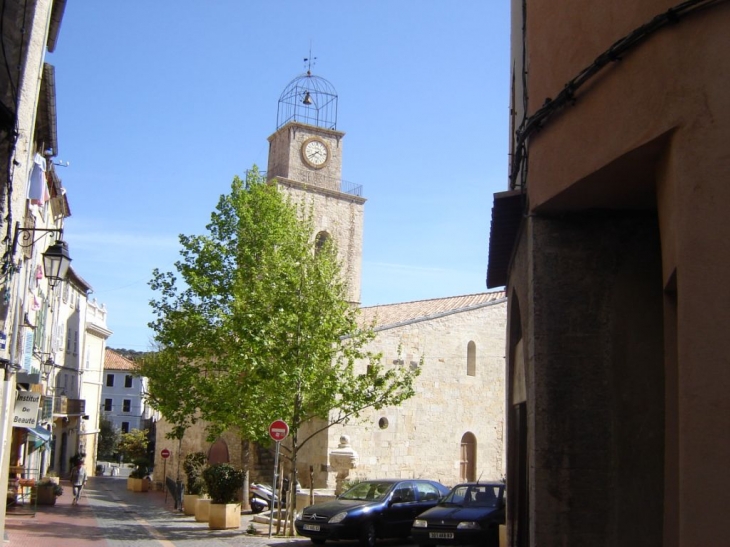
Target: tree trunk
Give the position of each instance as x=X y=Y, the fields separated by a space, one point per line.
x=293 y=485
x=245 y=466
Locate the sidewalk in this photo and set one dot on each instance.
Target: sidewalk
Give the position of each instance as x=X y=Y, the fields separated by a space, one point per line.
x=107 y=510
x=60 y=525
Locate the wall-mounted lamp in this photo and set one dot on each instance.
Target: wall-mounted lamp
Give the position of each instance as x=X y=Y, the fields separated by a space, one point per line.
x=56 y=259
x=47 y=367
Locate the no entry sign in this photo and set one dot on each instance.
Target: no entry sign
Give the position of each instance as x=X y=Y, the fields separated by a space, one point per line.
x=165 y=453
x=278 y=430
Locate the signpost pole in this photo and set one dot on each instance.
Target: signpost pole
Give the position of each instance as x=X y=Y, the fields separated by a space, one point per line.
x=278 y=430
x=165 y=453
x=273 y=486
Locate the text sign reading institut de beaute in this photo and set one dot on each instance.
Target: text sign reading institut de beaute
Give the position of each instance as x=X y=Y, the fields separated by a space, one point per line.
x=26 y=409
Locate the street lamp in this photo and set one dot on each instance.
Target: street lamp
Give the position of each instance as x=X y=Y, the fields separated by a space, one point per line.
x=56 y=259
x=47 y=367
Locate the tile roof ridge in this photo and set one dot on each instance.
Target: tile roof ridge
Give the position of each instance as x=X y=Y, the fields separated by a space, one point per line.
x=433 y=299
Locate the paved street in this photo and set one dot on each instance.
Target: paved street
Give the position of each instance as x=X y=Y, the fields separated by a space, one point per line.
x=109 y=515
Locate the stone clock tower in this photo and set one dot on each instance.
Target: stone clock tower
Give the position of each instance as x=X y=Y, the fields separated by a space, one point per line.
x=305 y=156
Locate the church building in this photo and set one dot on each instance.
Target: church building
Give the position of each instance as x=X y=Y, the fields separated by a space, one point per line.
x=453 y=428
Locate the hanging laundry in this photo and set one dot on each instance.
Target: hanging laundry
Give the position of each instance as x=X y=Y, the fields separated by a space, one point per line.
x=35 y=304
x=39 y=272
x=38 y=187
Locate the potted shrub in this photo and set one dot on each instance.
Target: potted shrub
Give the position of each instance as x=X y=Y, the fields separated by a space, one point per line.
x=223 y=482
x=46 y=491
x=53 y=477
x=202 y=509
x=194 y=464
x=137 y=481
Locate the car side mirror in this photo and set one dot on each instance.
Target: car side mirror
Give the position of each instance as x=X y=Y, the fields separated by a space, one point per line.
x=396 y=499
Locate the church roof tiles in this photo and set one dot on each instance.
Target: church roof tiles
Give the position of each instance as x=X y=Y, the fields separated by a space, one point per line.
x=393 y=315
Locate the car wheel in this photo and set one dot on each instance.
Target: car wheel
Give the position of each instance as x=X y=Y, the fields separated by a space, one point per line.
x=367 y=536
x=318 y=541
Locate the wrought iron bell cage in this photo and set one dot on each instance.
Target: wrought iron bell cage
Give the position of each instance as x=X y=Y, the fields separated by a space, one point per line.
x=308 y=99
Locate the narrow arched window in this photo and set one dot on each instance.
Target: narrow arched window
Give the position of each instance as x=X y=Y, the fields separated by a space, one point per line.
x=320 y=241
x=471 y=359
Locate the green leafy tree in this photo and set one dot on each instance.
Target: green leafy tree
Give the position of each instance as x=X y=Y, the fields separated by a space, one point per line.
x=108 y=439
x=133 y=445
x=259 y=315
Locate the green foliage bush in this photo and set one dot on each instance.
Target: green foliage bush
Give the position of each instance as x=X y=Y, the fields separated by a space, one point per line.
x=223 y=482
x=141 y=468
x=194 y=464
x=48 y=483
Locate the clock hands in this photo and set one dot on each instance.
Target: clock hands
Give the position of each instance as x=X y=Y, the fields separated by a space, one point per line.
x=315 y=153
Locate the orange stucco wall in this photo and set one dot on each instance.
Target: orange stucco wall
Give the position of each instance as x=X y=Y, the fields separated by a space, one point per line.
x=653 y=131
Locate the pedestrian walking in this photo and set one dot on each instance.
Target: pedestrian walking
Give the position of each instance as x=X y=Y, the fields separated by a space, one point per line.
x=78 y=480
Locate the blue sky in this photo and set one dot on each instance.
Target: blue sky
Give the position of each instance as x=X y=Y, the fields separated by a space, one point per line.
x=161 y=102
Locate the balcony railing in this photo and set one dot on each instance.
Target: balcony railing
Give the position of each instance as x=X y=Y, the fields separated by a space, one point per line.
x=69 y=407
x=346 y=187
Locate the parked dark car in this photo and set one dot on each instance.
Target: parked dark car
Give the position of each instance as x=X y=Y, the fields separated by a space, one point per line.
x=469 y=515
x=370 y=510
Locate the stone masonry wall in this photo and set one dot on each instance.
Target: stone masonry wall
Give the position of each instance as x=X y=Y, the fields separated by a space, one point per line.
x=423 y=436
x=342 y=219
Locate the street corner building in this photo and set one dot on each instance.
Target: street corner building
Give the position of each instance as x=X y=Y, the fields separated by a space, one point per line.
x=612 y=242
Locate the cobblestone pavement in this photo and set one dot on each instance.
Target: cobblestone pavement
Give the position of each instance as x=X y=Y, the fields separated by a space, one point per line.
x=109 y=515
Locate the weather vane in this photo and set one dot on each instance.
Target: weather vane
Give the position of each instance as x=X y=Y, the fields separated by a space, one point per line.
x=310 y=61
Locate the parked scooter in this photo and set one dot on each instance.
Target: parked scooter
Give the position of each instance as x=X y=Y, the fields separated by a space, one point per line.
x=257 y=504
x=260 y=497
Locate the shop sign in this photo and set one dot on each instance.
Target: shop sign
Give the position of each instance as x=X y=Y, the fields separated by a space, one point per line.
x=26 y=409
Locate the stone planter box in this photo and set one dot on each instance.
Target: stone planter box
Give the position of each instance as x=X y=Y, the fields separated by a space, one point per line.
x=202 y=509
x=189 y=503
x=43 y=495
x=224 y=516
x=137 y=485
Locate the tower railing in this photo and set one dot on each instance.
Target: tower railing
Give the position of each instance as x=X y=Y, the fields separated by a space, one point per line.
x=346 y=187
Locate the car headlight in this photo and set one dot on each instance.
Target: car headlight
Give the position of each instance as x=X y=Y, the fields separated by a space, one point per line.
x=420 y=523
x=468 y=525
x=339 y=517
x=298 y=515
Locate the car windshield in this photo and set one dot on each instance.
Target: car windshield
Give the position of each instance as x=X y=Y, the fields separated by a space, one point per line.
x=370 y=491
x=475 y=495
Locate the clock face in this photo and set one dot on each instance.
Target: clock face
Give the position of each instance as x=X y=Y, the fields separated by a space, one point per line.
x=315 y=153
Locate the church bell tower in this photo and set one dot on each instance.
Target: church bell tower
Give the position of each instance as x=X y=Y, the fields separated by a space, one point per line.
x=305 y=156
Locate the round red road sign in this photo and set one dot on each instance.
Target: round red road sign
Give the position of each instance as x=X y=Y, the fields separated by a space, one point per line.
x=165 y=453
x=278 y=430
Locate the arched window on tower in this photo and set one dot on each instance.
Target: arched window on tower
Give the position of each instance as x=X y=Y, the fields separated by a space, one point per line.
x=471 y=358
x=320 y=241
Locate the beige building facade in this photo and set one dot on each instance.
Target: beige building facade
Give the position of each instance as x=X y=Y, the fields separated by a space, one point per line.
x=452 y=429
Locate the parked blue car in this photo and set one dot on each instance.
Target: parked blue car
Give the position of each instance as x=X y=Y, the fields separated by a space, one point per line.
x=469 y=515
x=370 y=510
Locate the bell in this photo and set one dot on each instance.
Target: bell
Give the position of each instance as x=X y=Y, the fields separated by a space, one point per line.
x=307 y=99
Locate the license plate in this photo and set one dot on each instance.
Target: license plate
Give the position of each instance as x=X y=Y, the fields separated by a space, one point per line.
x=311 y=527
x=441 y=535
